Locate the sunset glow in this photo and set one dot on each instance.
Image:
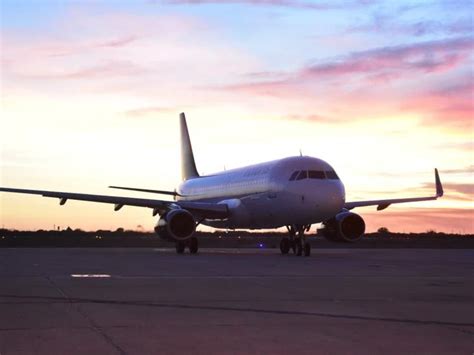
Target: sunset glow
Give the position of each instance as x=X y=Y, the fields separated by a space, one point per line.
x=92 y=90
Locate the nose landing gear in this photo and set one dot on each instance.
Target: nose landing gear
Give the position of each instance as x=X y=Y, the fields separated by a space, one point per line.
x=285 y=245
x=297 y=241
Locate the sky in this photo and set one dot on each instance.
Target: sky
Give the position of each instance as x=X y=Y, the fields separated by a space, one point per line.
x=91 y=92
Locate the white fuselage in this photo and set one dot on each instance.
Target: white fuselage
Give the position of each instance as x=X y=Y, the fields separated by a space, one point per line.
x=290 y=191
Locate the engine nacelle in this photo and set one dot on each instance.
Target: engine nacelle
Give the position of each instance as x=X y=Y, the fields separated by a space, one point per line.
x=344 y=227
x=175 y=225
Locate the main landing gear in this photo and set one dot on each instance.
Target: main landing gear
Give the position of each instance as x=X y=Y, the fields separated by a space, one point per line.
x=191 y=243
x=297 y=241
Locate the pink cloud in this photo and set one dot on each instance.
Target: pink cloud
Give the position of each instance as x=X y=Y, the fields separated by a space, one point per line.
x=395 y=62
x=377 y=65
x=387 y=24
x=427 y=57
x=449 y=220
x=466 y=170
x=146 y=111
x=59 y=48
x=451 y=105
x=456 y=191
x=111 y=69
x=328 y=5
x=118 y=42
x=281 y=88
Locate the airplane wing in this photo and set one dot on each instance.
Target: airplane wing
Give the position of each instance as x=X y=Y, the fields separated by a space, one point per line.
x=203 y=209
x=383 y=204
x=162 y=192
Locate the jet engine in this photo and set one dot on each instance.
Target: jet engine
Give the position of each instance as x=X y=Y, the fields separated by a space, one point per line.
x=175 y=225
x=344 y=227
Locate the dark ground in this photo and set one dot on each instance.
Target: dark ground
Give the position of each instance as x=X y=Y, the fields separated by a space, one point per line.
x=236 y=301
x=233 y=239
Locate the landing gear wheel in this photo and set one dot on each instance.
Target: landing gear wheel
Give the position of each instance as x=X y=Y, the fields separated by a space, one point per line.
x=299 y=247
x=180 y=247
x=307 y=249
x=293 y=246
x=285 y=246
x=193 y=245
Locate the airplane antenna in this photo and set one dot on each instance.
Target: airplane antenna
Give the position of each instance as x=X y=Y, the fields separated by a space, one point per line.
x=301 y=153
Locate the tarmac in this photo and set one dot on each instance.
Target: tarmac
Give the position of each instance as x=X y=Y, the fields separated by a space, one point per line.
x=236 y=301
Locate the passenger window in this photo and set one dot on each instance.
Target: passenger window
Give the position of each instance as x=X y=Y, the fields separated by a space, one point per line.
x=331 y=174
x=293 y=176
x=316 y=174
x=302 y=175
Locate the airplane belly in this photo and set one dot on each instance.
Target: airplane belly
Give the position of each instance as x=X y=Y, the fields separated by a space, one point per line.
x=262 y=210
x=302 y=206
x=252 y=212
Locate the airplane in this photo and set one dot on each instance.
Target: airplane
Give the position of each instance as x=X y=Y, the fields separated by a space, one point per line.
x=295 y=192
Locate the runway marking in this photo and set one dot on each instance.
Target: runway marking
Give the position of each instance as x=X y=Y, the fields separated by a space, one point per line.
x=90 y=275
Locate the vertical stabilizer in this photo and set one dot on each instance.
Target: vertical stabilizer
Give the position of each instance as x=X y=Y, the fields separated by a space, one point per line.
x=188 y=166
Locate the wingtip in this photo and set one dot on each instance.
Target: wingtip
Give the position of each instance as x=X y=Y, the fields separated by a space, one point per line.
x=439 y=186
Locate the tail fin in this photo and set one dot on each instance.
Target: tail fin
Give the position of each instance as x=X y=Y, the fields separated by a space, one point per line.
x=188 y=166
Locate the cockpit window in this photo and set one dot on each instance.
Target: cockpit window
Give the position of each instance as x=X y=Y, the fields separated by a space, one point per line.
x=302 y=175
x=331 y=174
x=293 y=176
x=316 y=174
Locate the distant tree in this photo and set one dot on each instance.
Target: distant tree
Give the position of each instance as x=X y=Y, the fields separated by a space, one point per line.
x=383 y=230
x=119 y=230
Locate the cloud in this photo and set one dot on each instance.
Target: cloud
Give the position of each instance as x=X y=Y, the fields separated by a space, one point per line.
x=467 y=170
x=396 y=61
x=299 y=4
x=111 y=69
x=464 y=189
x=456 y=191
x=118 y=42
x=391 y=24
x=147 y=111
x=379 y=65
x=67 y=47
x=311 y=117
x=449 y=220
x=429 y=82
x=148 y=57
x=447 y=105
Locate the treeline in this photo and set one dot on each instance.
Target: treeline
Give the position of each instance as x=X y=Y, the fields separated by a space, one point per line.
x=225 y=239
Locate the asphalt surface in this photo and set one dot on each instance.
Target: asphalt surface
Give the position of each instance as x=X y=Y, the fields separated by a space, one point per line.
x=152 y=301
